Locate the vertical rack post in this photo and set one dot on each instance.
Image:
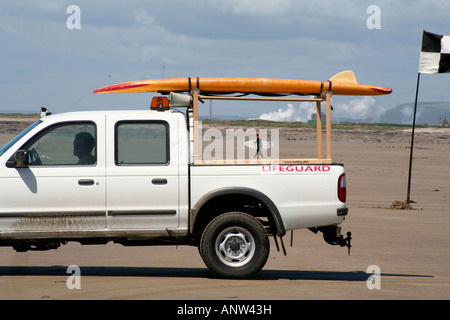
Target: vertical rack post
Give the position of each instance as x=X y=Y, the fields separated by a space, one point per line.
x=328 y=133
x=319 y=129
x=196 y=133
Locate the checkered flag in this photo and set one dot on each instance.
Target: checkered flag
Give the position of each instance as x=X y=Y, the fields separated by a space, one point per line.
x=434 y=58
x=435 y=53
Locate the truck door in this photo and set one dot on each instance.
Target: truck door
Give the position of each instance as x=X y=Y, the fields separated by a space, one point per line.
x=142 y=175
x=63 y=187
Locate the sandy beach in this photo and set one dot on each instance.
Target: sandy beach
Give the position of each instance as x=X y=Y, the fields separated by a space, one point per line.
x=409 y=248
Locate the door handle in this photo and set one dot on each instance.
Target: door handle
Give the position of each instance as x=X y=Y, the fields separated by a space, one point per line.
x=86 y=182
x=159 y=181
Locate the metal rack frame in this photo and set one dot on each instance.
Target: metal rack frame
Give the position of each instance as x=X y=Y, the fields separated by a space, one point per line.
x=324 y=97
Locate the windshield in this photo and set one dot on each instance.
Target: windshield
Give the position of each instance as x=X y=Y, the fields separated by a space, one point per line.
x=18 y=137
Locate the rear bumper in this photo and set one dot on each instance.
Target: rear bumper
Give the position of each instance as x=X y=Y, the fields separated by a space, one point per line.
x=342 y=212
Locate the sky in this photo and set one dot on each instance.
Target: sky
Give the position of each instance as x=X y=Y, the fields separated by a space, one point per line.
x=45 y=61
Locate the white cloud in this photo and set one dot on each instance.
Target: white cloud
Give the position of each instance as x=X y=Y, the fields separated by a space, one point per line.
x=258 y=7
x=407 y=114
x=360 y=108
x=51 y=5
x=144 y=18
x=363 y=108
x=301 y=113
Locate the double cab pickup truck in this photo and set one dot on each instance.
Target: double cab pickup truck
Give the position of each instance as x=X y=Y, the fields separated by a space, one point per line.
x=134 y=178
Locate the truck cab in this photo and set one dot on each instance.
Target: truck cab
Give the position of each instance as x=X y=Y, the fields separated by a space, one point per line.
x=49 y=189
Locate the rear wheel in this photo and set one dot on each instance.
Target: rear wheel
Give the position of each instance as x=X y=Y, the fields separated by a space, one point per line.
x=234 y=245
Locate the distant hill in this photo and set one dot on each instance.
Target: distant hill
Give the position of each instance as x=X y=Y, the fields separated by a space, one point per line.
x=427 y=112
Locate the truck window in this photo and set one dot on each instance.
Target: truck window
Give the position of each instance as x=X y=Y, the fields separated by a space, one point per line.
x=64 y=144
x=18 y=137
x=142 y=143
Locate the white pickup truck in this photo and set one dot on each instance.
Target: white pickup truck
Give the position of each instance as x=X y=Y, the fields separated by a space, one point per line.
x=129 y=177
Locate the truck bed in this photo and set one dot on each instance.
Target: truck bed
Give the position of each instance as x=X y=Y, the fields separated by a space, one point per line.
x=305 y=195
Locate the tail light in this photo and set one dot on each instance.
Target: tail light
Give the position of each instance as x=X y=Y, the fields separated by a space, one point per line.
x=342 y=188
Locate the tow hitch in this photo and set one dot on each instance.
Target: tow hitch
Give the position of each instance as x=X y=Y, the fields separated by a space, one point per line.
x=348 y=241
x=332 y=235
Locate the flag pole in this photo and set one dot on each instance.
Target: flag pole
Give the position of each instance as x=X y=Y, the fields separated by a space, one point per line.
x=408 y=200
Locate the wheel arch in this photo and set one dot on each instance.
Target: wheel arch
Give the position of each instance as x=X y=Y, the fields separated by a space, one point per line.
x=206 y=208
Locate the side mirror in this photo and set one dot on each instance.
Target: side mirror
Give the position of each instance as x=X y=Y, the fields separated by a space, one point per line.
x=18 y=160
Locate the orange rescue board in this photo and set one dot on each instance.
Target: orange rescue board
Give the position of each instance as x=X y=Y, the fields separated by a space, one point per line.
x=343 y=83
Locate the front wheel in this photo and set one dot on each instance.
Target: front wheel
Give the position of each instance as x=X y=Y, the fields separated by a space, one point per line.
x=234 y=245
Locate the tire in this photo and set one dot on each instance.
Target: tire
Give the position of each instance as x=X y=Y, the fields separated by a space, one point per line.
x=234 y=245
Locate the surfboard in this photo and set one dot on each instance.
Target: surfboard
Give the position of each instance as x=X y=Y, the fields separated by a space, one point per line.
x=343 y=83
x=263 y=144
